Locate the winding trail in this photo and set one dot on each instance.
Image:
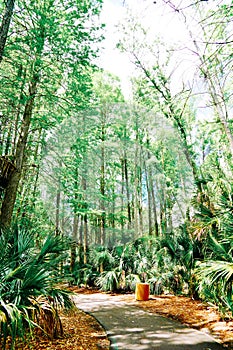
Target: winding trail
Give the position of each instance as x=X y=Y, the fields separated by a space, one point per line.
x=130 y=328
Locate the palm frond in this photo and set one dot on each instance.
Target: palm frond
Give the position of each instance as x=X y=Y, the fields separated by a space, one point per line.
x=26 y=273
x=220 y=250
x=216 y=271
x=109 y=280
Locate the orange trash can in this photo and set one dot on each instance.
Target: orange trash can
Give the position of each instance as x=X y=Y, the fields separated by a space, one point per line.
x=142 y=291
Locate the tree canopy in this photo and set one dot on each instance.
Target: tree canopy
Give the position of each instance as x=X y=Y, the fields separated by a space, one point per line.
x=136 y=188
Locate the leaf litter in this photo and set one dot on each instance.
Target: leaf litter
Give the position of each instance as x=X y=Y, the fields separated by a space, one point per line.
x=83 y=332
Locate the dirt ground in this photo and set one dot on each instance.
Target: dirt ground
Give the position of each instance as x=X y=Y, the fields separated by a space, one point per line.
x=83 y=332
x=192 y=313
x=188 y=311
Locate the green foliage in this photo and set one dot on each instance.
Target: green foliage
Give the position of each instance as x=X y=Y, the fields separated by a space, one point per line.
x=109 y=280
x=215 y=277
x=130 y=281
x=215 y=283
x=101 y=256
x=45 y=77
x=159 y=261
x=117 y=168
x=82 y=274
x=213 y=228
x=30 y=277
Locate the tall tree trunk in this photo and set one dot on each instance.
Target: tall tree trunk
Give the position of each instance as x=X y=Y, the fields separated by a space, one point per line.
x=138 y=220
x=85 y=219
x=4 y=28
x=122 y=197
x=112 y=239
x=136 y=184
x=37 y=154
x=127 y=191
x=58 y=204
x=162 y=208
x=12 y=187
x=8 y=140
x=126 y=176
x=149 y=200
x=57 y=212
x=81 y=240
x=214 y=83
x=73 y=252
x=140 y=214
x=102 y=185
x=30 y=176
x=156 y=225
x=169 y=110
x=13 y=183
x=85 y=238
x=22 y=76
x=152 y=210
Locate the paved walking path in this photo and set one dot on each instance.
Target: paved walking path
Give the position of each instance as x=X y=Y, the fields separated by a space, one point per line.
x=131 y=328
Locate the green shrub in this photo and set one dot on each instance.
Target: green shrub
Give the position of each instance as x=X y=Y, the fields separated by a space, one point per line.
x=30 y=277
x=109 y=280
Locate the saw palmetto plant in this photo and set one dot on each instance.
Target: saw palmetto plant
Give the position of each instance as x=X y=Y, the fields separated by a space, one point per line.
x=215 y=275
x=29 y=292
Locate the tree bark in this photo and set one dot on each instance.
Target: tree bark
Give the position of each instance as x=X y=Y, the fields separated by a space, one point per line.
x=6 y=20
x=171 y=113
x=149 y=199
x=141 y=225
x=136 y=184
x=112 y=240
x=57 y=213
x=12 y=187
x=73 y=251
x=102 y=184
x=127 y=192
x=122 y=197
x=85 y=220
x=85 y=238
x=156 y=225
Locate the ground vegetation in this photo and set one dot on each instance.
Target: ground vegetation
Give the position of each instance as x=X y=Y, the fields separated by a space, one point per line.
x=104 y=191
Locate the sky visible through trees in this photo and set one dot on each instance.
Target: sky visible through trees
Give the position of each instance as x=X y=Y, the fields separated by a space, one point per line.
x=123 y=153
x=162 y=21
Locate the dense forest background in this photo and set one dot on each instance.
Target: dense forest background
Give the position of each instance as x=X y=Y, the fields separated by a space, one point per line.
x=128 y=189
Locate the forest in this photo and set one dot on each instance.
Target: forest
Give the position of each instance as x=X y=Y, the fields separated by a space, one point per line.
x=103 y=190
